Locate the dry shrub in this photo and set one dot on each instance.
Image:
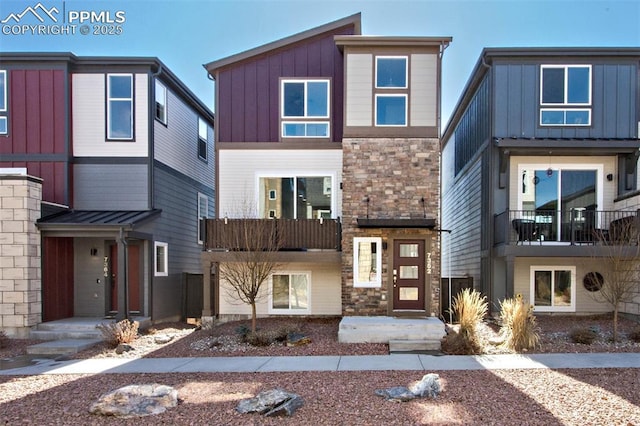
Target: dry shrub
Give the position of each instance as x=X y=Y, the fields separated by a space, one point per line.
x=114 y=334
x=4 y=340
x=583 y=335
x=470 y=307
x=519 y=327
x=634 y=336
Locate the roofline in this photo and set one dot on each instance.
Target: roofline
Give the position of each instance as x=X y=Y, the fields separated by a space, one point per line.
x=154 y=63
x=354 y=20
x=483 y=64
x=360 y=40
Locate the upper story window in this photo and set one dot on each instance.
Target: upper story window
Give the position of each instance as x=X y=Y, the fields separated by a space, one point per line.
x=296 y=197
x=391 y=98
x=565 y=95
x=202 y=139
x=120 y=106
x=161 y=259
x=4 y=126
x=203 y=214
x=161 y=103
x=305 y=108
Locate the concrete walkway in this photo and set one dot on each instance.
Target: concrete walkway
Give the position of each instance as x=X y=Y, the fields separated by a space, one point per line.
x=328 y=363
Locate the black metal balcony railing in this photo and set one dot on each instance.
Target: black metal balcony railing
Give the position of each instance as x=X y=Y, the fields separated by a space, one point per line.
x=575 y=226
x=291 y=234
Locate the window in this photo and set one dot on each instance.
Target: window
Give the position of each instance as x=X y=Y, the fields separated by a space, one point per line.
x=120 y=106
x=202 y=139
x=553 y=288
x=367 y=262
x=305 y=108
x=203 y=214
x=565 y=95
x=161 y=103
x=391 y=98
x=290 y=293
x=295 y=197
x=162 y=259
x=4 y=126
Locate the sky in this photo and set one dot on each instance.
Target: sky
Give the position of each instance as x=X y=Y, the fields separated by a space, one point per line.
x=185 y=34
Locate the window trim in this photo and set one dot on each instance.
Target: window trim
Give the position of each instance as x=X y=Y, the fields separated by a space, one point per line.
x=165 y=114
x=306 y=136
x=131 y=100
x=535 y=268
x=565 y=106
x=201 y=197
x=4 y=116
x=406 y=72
x=564 y=123
x=289 y=311
x=164 y=245
x=392 y=95
x=305 y=119
x=377 y=281
x=205 y=140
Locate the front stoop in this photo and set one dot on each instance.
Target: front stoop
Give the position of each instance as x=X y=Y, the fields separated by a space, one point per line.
x=62 y=347
x=407 y=334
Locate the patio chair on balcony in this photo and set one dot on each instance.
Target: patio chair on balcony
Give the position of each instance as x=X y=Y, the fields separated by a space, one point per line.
x=526 y=229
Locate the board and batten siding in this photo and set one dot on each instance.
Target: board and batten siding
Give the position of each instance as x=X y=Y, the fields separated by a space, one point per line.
x=239 y=171
x=89 y=120
x=325 y=292
x=423 y=90
x=585 y=304
x=517 y=100
x=359 y=91
x=111 y=186
x=461 y=207
x=176 y=143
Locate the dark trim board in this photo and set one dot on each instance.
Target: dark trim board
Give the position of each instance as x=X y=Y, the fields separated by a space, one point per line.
x=396 y=223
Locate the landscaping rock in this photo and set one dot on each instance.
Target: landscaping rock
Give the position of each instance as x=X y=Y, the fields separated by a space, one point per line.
x=136 y=401
x=297 y=339
x=428 y=386
x=162 y=339
x=274 y=402
x=396 y=393
x=123 y=347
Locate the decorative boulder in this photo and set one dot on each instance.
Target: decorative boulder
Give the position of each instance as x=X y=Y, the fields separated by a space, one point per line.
x=162 y=339
x=123 y=347
x=297 y=339
x=396 y=394
x=274 y=402
x=428 y=386
x=136 y=401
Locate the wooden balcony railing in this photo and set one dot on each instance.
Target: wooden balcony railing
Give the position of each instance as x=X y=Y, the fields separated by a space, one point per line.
x=291 y=234
x=574 y=226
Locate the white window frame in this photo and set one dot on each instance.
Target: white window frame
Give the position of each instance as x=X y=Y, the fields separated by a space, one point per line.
x=376 y=282
x=305 y=118
x=552 y=268
x=130 y=100
x=202 y=125
x=3 y=111
x=165 y=246
x=290 y=311
x=161 y=89
x=392 y=95
x=406 y=73
x=566 y=106
x=202 y=199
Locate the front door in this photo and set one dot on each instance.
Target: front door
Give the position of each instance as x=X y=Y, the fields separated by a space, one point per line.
x=133 y=282
x=408 y=275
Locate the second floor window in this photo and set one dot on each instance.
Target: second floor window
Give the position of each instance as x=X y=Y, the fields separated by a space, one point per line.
x=565 y=95
x=161 y=103
x=4 y=126
x=305 y=108
x=301 y=197
x=120 y=106
x=202 y=139
x=391 y=98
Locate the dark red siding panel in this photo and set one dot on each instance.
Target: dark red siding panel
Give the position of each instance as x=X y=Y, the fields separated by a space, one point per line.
x=237 y=104
x=18 y=112
x=263 y=106
x=32 y=108
x=250 y=103
x=273 y=103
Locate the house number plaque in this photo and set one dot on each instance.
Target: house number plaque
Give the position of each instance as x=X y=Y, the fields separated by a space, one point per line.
x=429 y=263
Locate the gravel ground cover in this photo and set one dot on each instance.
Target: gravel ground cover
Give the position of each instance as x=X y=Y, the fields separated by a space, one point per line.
x=504 y=397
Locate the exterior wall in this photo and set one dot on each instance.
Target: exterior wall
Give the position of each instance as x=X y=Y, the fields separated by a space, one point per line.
x=20 y=254
x=89 y=118
x=89 y=294
x=325 y=293
x=176 y=143
x=394 y=174
x=239 y=170
x=585 y=304
x=248 y=93
x=111 y=186
x=614 y=106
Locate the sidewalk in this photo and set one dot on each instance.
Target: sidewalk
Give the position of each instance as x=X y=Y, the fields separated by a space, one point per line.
x=328 y=363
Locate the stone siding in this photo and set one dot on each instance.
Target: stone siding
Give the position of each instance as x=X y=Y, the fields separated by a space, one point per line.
x=20 y=254
x=394 y=175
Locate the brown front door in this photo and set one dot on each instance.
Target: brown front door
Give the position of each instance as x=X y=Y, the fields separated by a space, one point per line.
x=133 y=283
x=408 y=275
x=57 y=278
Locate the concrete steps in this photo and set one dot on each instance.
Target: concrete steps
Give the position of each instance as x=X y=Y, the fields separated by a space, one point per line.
x=61 y=347
x=421 y=334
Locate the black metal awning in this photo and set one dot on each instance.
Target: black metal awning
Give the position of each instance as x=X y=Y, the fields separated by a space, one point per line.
x=396 y=223
x=96 y=220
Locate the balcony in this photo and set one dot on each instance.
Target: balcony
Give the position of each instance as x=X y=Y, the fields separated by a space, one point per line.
x=576 y=226
x=290 y=234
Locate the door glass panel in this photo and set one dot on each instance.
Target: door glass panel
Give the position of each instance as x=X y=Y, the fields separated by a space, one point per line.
x=408 y=293
x=408 y=272
x=562 y=288
x=280 y=292
x=408 y=250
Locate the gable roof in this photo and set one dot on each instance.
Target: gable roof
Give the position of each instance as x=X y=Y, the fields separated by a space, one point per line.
x=353 y=20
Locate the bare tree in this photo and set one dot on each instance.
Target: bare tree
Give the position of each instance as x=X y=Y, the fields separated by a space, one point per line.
x=253 y=245
x=618 y=253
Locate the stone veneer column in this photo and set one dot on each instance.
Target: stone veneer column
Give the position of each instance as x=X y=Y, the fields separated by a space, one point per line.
x=395 y=173
x=20 y=254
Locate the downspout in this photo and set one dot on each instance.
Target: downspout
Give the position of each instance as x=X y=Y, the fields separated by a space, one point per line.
x=125 y=279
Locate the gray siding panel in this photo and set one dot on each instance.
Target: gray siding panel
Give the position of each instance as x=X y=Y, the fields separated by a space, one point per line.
x=110 y=187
